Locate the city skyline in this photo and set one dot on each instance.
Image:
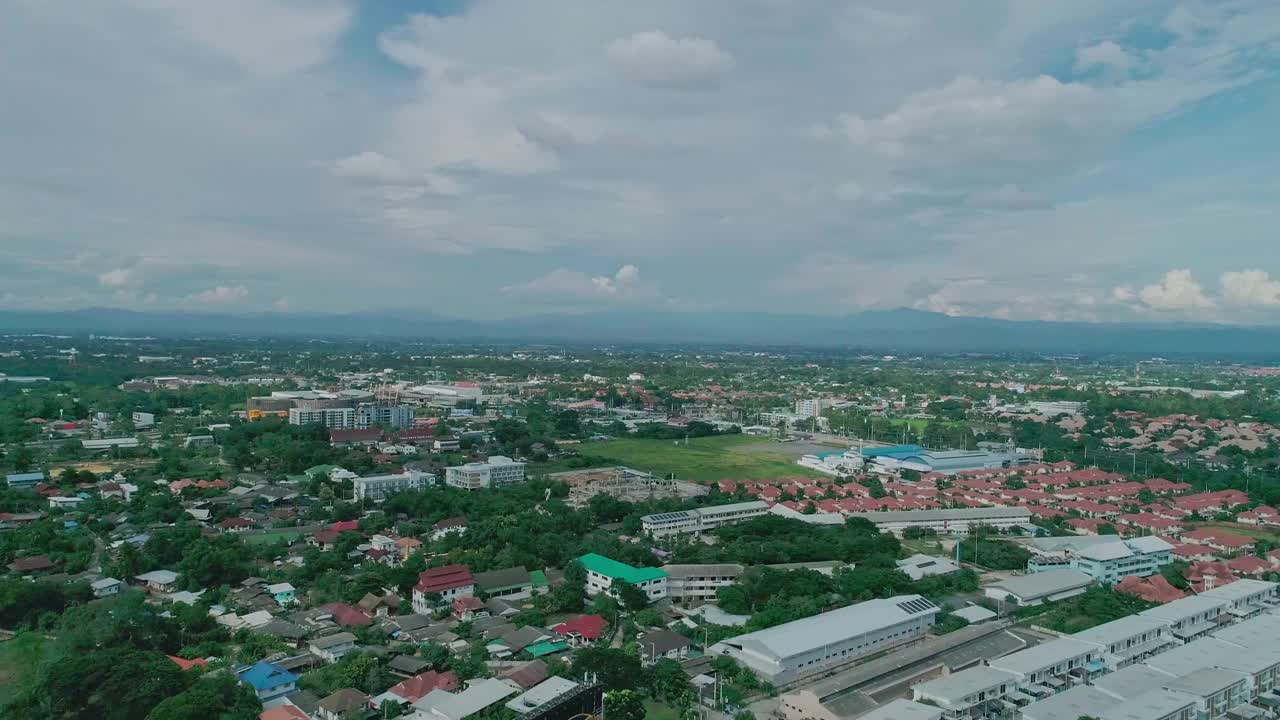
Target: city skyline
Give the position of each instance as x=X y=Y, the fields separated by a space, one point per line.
x=1083 y=161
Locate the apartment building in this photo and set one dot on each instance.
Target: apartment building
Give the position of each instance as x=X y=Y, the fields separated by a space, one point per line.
x=397 y=417
x=330 y=417
x=1128 y=640
x=376 y=488
x=497 y=471
x=699 y=520
x=697 y=584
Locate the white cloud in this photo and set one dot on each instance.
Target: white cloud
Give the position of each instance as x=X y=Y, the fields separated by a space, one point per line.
x=1177 y=290
x=1106 y=54
x=119 y=278
x=659 y=60
x=1250 y=288
x=281 y=304
x=372 y=166
x=565 y=286
x=269 y=37
x=220 y=295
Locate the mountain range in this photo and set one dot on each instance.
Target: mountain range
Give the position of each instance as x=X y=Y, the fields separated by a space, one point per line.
x=882 y=330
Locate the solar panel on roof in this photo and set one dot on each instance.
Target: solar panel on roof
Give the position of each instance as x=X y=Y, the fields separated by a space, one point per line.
x=917 y=605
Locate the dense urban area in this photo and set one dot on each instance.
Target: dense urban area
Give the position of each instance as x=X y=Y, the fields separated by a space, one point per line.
x=339 y=530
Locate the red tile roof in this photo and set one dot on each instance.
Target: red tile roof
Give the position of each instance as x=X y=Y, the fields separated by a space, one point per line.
x=418 y=686
x=344 y=614
x=444 y=578
x=589 y=627
x=1152 y=589
x=188 y=664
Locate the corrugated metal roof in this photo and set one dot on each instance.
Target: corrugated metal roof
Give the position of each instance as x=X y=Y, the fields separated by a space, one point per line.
x=801 y=636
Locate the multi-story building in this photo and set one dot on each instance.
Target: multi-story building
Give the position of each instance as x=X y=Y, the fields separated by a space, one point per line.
x=396 y=417
x=143 y=420
x=819 y=644
x=699 y=520
x=810 y=407
x=697 y=584
x=948 y=522
x=1104 y=558
x=603 y=571
x=378 y=487
x=330 y=417
x=447 y=583
x=498 y=471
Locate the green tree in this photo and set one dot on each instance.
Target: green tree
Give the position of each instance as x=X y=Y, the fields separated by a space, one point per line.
x=623 y=705
x=631 y=597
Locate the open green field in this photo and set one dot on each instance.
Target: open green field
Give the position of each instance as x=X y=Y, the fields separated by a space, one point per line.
x=722 y=457
x=275 y=536
x=18 y=657
x=1257 y=533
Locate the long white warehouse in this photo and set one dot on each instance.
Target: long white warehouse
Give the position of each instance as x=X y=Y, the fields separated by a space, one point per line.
x=948 y=522
x=820 y=643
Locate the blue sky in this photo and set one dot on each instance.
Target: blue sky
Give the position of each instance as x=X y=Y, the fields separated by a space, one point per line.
x=1081 y=160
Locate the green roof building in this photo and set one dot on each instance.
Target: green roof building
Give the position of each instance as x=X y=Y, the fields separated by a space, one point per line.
x=602 y=571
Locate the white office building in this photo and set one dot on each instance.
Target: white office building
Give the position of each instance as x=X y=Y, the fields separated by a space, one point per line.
x=811 y=407
x=378 y=487
x=498 y=471
x=143 y=420
x=340 y=418
x=695 y=522
x=821 y=643
x=948 y=522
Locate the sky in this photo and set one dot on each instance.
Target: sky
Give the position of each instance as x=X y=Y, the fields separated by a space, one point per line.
x=1086 y=160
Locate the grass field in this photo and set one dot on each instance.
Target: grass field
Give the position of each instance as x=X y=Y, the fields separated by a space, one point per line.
x=723 y=457
x=659 y=711
x=1257 y=533
x=265 y=538
x=18 y=657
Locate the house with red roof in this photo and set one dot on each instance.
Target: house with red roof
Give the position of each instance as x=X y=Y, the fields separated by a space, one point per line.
x=468 y=608
x=1208 y=575
x=1219 y=540
x=346 y=615
x=417 y=687
x=345 y=526
x=580 y=630
x=445 y=583
x=1249 y=566
x=323 y=539
x=354 y=436
x=235 y=524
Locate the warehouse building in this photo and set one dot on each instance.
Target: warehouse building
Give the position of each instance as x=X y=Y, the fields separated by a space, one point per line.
x=947 y=522
x=1037 y=588
x=699 y=520
x=819 y=644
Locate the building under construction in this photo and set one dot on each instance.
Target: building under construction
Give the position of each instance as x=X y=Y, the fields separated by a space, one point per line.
x=624 y=484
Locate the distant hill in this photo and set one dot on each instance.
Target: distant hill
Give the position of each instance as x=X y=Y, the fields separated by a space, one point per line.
x=889 y=330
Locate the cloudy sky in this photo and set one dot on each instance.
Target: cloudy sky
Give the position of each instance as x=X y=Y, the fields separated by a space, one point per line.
x=1073 y=159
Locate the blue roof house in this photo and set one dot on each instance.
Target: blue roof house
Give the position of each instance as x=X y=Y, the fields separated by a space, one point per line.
x=269 y=681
